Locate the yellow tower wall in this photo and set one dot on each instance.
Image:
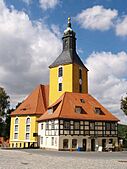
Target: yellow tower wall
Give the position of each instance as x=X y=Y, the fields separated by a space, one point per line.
x=76 y=79
x=70 y=81
x=54 y=94
x=22 y=131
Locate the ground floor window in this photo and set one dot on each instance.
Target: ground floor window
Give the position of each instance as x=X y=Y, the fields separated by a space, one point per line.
x=65 y=143
x=41 y=140
x=74 y=143
x=52 y=143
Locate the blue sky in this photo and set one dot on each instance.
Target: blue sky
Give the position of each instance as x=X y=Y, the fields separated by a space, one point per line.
x=88 y=40
x=30 y=39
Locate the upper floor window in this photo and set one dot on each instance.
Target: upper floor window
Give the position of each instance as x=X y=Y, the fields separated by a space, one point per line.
x=113 y=126
x=80 y=73
x=80 y=110
x=52 y=124
x=60 y=87
x=98 y=111
x=66 y=124
x=16 y=120
x=47 y=125
x=107 y=125
x=92 y=126
x=60 y=71
x=76 y=125
x=28 y=120
x=80 y=88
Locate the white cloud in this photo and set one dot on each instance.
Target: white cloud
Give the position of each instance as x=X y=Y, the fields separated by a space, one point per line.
x=121 y=27
x=97 y=18
x=46 y=4
x=26 y=50
x=108 y=79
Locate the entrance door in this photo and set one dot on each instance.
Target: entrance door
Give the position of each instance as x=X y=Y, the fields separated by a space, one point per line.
x=84 y=142
x=92 y=144
x=103 y=144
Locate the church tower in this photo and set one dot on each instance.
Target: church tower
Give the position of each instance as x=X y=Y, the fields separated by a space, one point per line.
x=67 y=72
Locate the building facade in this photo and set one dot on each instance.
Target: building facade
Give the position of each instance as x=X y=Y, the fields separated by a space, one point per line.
x=74 y=119
x=64 y=116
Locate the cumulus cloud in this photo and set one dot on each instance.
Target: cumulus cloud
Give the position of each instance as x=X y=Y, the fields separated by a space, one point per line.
x=26 y=50
x=108 y=79
x=97 y=18
x=121 y=27
x=46 y=4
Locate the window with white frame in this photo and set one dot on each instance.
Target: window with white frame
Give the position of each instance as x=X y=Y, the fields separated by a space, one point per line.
x=60 y=71
x=16 y=128
x=76 y=125
x=41 y=140
x=52 y=143
x=60 y=87
x=27 y=137
x=42 y=126
x=52 y=124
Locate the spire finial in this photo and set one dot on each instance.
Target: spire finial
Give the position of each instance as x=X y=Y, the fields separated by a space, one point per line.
x=69 y=22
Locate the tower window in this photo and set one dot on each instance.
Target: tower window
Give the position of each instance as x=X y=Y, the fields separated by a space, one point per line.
x=80 y=73
x=60 y=72
x=80 y=88
x=60 y=86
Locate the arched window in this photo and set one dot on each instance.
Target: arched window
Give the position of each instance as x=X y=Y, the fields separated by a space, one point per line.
x=74 y=143
x=16 y=128
x=27 y=128
x=65 y=143
x=28 y=120
x=16 y=120
x=60 y=71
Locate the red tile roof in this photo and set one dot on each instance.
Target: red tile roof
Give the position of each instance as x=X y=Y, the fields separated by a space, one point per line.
x=36 y=103
x=65 y=108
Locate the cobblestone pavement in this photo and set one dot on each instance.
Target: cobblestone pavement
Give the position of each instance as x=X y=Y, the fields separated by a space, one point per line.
x=15 y=159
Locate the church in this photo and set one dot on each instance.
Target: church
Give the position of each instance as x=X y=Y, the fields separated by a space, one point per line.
x=63 y=115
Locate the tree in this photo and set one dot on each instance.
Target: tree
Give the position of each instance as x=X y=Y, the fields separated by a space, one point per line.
x=124 y=105
x=4 y=107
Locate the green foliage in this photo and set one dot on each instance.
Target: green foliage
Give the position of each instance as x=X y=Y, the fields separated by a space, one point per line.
x=122 y=131
x=4 y=101
x=124 y=104
x=4 y=108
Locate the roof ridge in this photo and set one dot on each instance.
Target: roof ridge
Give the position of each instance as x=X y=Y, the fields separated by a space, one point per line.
x=38 y=98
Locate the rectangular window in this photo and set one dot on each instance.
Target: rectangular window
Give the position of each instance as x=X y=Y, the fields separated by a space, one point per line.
x=27 y=136
x=41 y=126
x=113 y=127
x=60 y=87
x=41 y=140
x=16 y=127
x=80 y=73
x=27 y=128
x=78 y=109
x=15 y=135
x=52 y=125
x=52 y=143
x=107 y=126
x=76 y=125
x=80 y=88
x=66 y=124
x=92 y=126
x=47 y=125
x=60 y=72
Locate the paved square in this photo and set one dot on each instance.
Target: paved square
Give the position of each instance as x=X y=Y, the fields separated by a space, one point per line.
x=41 y=159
